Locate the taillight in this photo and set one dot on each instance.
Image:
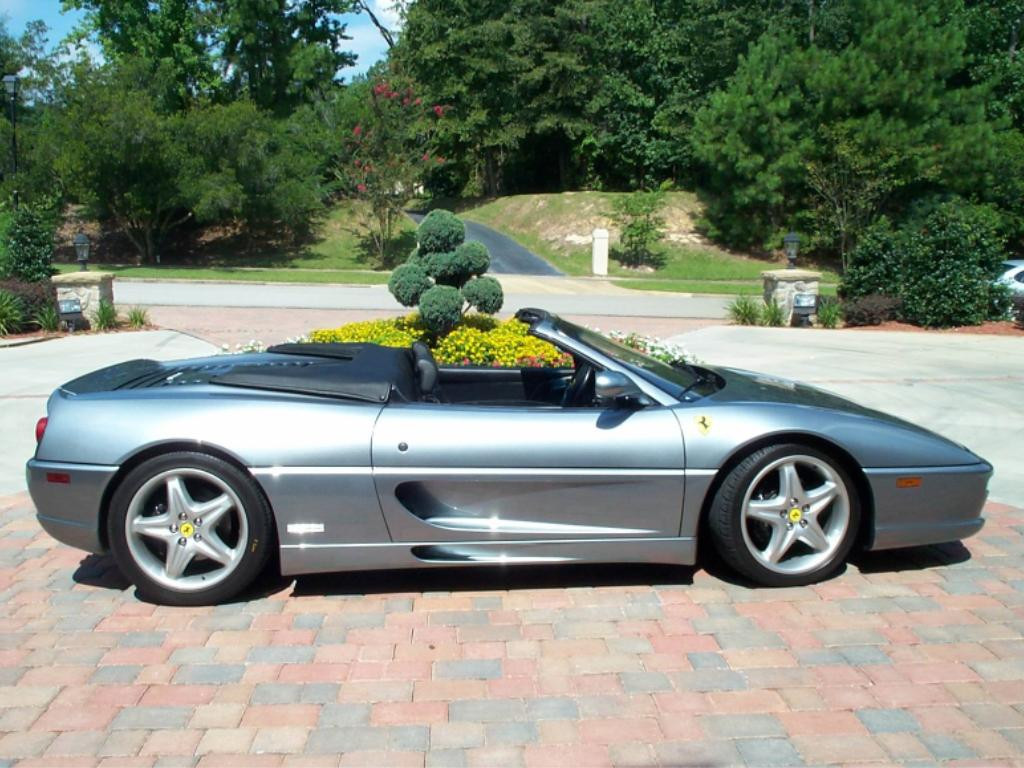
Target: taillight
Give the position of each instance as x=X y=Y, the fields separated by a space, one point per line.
x=41 y=428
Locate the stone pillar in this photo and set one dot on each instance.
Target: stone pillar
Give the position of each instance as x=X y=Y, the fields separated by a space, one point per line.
x=782 y=284
x=599 y=252
x=90 y=288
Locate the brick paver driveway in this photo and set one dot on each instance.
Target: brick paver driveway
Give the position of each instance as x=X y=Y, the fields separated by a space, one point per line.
x=913 y=656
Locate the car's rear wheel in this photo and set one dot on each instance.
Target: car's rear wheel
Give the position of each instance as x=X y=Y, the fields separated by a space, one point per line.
x=786 y=515
x=189 y=529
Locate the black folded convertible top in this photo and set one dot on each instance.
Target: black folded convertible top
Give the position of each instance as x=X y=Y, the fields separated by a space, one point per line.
x=366 y=372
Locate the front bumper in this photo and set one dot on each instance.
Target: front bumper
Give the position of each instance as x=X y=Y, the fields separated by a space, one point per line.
x=927 y=505
x=68 y=500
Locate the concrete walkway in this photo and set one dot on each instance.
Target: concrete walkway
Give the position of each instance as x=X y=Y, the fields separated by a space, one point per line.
x=965 y=387
x=507 y=256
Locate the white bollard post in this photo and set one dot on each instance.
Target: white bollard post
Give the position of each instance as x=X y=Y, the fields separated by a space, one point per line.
x=599 y=252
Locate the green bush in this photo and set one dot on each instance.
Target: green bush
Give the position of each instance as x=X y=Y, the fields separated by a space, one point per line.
x=35 y=297
x=30 y=245
x=47 y=318
x=1017 y=310
x=874 y=266
x=446 y=268
x=474 y=257
x=407 y=283
x=138 y=317
x=440 y=231
x=745 y=310
x=829 y=312
x=484 y=293
x=441 y=308
x=870 y=310
x=640 y=226
x=772 y=314
x=12 y=313
x=949 y=262
x=5 y=224
x=104 y=318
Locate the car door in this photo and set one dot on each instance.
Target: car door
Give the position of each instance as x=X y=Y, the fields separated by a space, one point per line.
x=451 y=472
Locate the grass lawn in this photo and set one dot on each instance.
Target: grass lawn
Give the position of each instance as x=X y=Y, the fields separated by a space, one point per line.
x=733 y=287
x=549 y=224
x=244 y=274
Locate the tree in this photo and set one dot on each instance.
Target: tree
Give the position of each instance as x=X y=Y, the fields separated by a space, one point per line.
x=640 y=226
x=389 y=151
x=120 y=150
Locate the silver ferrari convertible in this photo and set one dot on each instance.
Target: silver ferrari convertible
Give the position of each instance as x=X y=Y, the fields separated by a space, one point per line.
x=356 y=456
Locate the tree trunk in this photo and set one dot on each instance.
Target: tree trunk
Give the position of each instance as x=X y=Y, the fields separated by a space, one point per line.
x=810 y=21
x=563 y=166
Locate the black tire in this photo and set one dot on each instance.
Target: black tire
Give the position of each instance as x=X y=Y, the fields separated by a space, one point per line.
x=252 y=539
x=726 y=519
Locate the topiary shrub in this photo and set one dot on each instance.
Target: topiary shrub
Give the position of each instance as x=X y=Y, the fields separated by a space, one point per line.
x=440 y=231
x=441 y=308
x=484 y=293
x=30 y=245
x=408 y=282
x=870 y=310
x=443 y=260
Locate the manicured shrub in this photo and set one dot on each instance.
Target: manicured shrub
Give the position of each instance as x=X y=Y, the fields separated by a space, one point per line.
x=440 y=231
x=408 y=282
x=870 y=310
x=443 y=260
x=30 y=245
x=874 y=266
x=441 y=308
x=484 y=293
x=745 y=310
x=12 y=313
x=474 y=258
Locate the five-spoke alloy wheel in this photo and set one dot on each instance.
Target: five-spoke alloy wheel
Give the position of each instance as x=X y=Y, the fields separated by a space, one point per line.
x=785 y=515
x=189 y=529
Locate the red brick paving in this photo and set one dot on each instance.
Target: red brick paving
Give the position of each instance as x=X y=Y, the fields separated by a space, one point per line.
x=915 y=656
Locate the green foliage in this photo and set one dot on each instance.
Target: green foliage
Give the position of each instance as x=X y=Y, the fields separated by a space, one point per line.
x=443 y=261
x=12 y=313
x=6 y=217
x=949 y=262
x=484 y=293
x=474 y=257
x=34 y=297
x=873 y=309
x=408 y=283
x=1017 y=310
x=440 y=231
x=746 y=310
x=829 y=312
x=104 y=318
x=30 y=245
x=772 y=314
x=138 y=317
x=640 y=226
x=47 y=318
x=441 y=308
x=874 y=264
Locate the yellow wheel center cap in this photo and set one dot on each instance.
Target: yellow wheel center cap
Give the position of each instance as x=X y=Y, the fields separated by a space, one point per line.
x=795 y=515
x=187 y=529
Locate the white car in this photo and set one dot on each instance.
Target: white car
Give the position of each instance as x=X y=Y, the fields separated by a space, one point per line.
x=1013 y=276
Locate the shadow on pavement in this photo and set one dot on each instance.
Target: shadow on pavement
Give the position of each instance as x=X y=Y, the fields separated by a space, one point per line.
x=100 y=571
x=911 y=558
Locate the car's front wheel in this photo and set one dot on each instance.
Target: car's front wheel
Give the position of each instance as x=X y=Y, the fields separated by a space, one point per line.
x=784 y=516
x=189 y=529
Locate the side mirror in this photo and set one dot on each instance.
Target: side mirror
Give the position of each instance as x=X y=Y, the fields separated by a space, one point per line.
x=614 y=388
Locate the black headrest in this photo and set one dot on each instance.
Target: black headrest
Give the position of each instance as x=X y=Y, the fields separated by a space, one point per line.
x=426 y=368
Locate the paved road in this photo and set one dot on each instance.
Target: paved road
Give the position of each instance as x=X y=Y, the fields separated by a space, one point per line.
x=507 y=256
x=556 y=294
x=964 y=387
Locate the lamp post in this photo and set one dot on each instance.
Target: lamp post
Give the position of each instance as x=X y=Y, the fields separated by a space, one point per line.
x=81 y=243
x=792 y=243
x=11 y=86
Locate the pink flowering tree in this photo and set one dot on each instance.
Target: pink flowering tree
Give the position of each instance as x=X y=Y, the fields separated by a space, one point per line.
x=389 y=152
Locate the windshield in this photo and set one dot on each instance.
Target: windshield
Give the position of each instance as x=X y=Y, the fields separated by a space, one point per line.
x=671 y=379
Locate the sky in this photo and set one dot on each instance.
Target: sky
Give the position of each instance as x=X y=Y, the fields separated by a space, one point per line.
x=366 y=41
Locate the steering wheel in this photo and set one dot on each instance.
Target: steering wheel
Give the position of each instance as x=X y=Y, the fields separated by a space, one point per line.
x=582 y=380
